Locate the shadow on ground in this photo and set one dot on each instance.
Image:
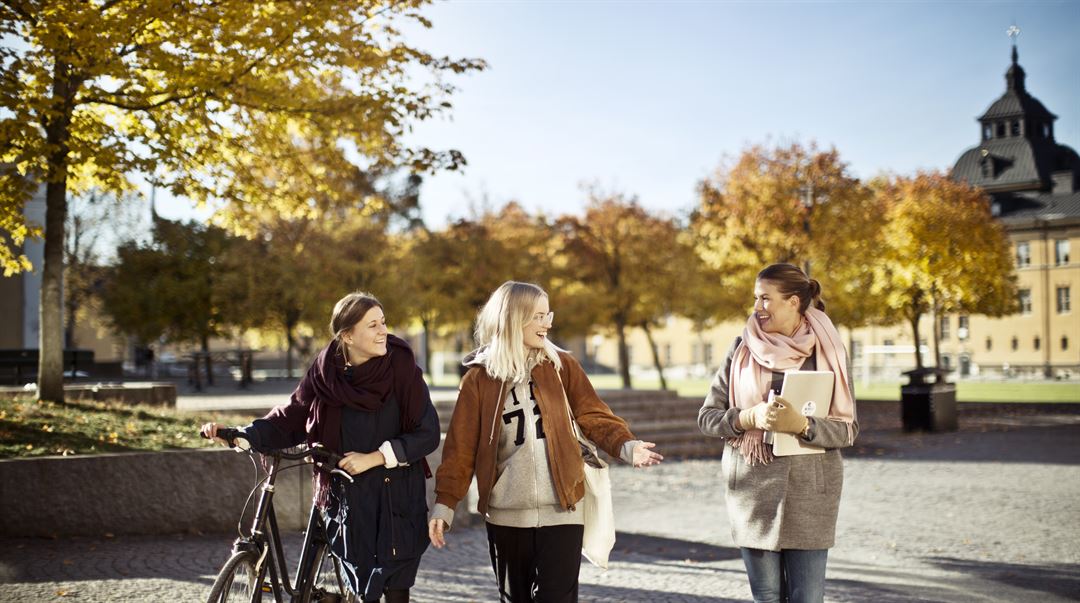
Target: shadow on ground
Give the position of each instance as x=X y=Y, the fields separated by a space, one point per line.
x=1058 y=444
x=1058 y=579
x=671 y=549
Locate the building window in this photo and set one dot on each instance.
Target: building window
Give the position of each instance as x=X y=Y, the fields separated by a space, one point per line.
x=1025 y=301
x=1063 y=302
x=1001 y=129
x=988 y=132
x=962 y=328
x=1015 y=343
x=1064 y=342
x=989 y=344
x=1023 y=255
x=946 y=361
x=943 y=330
x=1015 y=128
x=708 y=355
x=1061 y=252
x=888 y=345
x=695 y=353
x=1038 y=343
x=1047 y=131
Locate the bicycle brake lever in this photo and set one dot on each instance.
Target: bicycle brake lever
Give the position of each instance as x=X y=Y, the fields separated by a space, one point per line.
x=343 y=473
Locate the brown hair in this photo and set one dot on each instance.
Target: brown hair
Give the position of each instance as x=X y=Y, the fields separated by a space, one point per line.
x=349 y=310
x=791 y=280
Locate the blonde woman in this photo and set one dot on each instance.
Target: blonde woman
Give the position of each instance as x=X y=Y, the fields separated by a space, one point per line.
x=511 y=430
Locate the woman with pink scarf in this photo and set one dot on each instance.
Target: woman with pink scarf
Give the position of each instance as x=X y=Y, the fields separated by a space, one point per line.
x=782 y=509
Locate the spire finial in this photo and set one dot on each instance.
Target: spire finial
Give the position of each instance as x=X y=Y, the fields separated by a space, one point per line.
x=1013 y=32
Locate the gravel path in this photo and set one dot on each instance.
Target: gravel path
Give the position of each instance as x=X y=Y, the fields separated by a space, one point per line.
x=989 y=513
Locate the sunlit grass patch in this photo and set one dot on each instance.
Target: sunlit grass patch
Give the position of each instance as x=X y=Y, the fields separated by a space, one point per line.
x=31 y=427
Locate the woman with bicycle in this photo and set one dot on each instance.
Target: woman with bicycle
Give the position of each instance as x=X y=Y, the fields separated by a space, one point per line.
x=364 y=397
x=511 y=430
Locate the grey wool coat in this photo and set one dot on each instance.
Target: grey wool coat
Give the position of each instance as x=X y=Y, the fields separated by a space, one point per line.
x=790 y=503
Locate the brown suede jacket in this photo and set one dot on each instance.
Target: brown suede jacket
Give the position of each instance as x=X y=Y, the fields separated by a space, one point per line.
x=472 y=439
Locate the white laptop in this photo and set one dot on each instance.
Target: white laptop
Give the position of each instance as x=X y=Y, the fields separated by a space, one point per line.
x=810 y=392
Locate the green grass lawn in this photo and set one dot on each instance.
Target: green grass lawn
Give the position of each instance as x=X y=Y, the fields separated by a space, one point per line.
x=966 y=391
x=32 y=428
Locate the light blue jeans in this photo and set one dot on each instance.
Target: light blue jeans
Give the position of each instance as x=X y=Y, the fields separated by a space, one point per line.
x=788 y=576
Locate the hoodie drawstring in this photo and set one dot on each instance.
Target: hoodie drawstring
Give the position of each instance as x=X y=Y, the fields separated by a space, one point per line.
x=497 y=413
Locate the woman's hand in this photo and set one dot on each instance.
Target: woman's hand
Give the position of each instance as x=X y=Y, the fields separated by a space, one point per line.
x=784 y=418
x=356 y=463
x=644 y=457
x=755 y=417
x=209 y=430
x=435 y=529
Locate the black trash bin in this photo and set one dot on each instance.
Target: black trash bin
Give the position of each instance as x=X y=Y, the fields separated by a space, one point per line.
x=928 y=402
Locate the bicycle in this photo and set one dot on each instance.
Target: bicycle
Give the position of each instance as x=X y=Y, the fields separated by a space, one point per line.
x=260 y=552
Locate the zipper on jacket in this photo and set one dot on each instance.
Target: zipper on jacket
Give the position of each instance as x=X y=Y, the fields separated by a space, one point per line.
x=393 y=534
x=556 y=471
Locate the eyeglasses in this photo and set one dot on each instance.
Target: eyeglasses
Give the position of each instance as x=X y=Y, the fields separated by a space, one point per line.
x=544 y=319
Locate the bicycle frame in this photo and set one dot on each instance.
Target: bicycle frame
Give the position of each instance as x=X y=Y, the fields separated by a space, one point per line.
x=265 y=541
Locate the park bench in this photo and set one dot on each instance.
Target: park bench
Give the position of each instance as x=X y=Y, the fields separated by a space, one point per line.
x=20 y=366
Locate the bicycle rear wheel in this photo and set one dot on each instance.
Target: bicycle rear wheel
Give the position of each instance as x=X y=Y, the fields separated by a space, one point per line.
x=237 y=579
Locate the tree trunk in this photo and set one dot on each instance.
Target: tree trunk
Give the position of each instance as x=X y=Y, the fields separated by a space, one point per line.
x=655 y=354
x=426 y=324
x=70 y=308
x=936 y=317
x=290 y=343
x=914 y=318
x=209 y=362
x=624 y=353
x=51 y=311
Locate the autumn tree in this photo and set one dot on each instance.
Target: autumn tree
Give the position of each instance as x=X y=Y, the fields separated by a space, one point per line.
x=449 y=272
x=181 y=285
x=942 y=252
x=628 y=261
x=204 y=98
x=795 y=204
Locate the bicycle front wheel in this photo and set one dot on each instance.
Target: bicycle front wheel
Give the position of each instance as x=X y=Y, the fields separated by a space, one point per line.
x=237 y=580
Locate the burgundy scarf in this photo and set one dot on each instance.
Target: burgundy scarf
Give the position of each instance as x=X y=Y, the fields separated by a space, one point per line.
x=325 y=390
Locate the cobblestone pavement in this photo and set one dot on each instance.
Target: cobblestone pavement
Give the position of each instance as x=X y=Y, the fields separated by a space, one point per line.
x=989 y=513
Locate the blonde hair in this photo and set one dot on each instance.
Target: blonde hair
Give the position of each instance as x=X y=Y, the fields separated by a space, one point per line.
x=499 y=328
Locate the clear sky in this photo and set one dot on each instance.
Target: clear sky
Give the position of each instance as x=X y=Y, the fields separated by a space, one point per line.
x=648 y=97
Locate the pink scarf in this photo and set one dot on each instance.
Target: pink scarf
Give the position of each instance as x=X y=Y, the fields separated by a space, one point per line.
x=760 y=353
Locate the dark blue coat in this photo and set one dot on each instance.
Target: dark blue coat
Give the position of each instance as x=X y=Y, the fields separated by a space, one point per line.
x=380 y=520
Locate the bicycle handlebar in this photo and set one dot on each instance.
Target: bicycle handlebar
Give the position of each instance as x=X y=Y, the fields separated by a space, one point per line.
x=324 y=458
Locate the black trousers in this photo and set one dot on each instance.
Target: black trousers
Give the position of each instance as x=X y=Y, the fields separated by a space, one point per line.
x=536 y=565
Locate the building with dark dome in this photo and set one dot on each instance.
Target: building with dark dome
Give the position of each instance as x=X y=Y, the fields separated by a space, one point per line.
x=1018 y=162
x=1033 y=183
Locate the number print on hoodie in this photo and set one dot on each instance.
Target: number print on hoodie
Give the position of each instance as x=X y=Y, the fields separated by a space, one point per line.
x=524 y=494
